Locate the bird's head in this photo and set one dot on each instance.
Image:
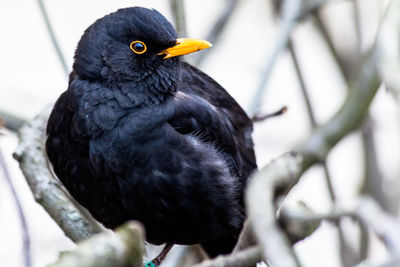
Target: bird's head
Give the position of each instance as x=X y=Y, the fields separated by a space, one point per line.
x=135 y=46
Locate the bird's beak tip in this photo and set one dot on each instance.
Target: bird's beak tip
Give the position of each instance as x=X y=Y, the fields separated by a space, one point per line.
x=184 y=46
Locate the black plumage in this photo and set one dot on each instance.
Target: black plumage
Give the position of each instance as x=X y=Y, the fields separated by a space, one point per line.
x=137 y=136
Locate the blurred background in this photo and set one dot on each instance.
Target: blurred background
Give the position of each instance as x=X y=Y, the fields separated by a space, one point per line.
x=33 y=76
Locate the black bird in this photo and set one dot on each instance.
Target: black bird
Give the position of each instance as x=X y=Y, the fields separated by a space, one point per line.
x=141 y=135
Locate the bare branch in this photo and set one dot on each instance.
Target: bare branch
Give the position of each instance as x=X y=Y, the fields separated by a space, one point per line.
x=11 y=121
x=124 y=248
x=278 y=177
x=373 y=183
x=347 y=253
x=291 y=11
x=296 y=230
x=260 y=196
x=348 y=118
x=369 y=213
x=214 y=35
x=47 y=190
x=53 y=37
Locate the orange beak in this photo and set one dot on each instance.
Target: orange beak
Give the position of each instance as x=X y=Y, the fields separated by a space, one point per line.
x=185 y=46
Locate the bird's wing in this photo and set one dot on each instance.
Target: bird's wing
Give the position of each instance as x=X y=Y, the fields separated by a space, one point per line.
x=234 y=138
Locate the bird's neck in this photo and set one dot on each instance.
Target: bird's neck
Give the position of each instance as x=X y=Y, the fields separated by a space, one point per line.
x=151 y=87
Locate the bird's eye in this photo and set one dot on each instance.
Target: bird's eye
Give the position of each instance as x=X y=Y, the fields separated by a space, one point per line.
x=138 y=47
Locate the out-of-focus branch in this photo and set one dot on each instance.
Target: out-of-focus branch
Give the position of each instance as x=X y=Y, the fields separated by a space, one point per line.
x=46 y=189
x=53 y=38
x=369 y=213
x=348 y=118
x=389 y=48
x=250 y=256
x=384 y=225
x=278 y=177
x=218 y=27
x=11 y=121
x=300 y=220
x=343 y=62
x=310 y=113
x=296 y=230
x=280 y=174
x=347 y=253
x=373 y=176
x=178 y=11
x=26 y=241
x=124 y=248
x=290 y=12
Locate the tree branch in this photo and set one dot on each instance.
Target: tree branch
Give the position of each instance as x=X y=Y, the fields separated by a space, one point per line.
x=214 y=35
x=260 y=197
x=290 y=13
x=292 y=10
x=278 y=177
x=53 y=37
x=124 y=248
x=11 y=121
x=347 y=119
x=47 y=190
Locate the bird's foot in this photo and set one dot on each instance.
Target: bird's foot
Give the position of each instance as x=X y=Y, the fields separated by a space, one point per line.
x=157 y=260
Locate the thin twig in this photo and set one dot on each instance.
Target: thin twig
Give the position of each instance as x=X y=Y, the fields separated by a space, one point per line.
x=215 y=33
x=304 y=91
x=291 y=10
x=310 y=113
x=53 y=37
x=258 y=117
x=324 y=33
x=26 y=240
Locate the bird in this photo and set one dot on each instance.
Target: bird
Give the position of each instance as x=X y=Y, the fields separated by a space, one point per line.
x=140 y=134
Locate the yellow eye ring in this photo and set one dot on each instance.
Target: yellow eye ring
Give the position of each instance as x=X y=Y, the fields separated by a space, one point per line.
x=138 y=47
